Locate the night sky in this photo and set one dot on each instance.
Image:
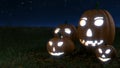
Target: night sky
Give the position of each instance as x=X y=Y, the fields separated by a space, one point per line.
x=37 y=13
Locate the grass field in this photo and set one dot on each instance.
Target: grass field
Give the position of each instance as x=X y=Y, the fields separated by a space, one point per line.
x=22 y=47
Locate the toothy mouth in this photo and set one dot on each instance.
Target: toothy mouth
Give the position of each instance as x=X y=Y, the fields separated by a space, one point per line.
x=104 y=59
x=56 y=54
x=92 y=43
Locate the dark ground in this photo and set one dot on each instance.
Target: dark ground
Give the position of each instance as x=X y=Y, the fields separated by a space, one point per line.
x=22 y=47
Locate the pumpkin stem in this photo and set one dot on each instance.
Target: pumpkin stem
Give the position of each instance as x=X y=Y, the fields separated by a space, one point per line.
x=97 y=5
x=105 y=44
x=66 y=22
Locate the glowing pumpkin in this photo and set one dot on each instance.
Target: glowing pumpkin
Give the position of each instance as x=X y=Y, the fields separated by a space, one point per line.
x=60 y=46
x=95 y=28
x=105 y=53
x=67 y=30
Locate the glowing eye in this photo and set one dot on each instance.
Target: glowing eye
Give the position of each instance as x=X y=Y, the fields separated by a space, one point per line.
x=60 y=44
x=57 y=30
x=107 y=51
x=98 y=21
x=50 y=43
x=83 y=21
x=67 y=30
x=100 y=50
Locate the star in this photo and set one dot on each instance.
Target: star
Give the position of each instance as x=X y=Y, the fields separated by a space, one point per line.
x=30 y=8
x=65 y=3
x=22 y=3
x=44 y=4
x=2 y=11
x=10 y=14
x=29 y=1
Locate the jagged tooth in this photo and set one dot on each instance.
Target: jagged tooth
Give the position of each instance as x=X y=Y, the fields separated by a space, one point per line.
x=83 y=41
x=92 y=43
x=100 y=42
x=86 y=44
x=95 y=41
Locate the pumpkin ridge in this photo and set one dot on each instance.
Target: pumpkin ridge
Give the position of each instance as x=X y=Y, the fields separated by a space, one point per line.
x=112 y=26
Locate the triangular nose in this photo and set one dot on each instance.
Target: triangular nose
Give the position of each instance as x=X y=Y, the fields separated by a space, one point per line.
x=53 y=49
x=89 y=33
x=103 y=56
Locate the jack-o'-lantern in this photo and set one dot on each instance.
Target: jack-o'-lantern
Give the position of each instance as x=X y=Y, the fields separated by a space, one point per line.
x=96 y=27
x=105 y=53
x=60 y=46
x=67 y=30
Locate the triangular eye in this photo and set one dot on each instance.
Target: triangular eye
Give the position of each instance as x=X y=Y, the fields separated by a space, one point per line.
x=107 y=51
x=57 y=30
x=67 y=30
x=100 y=50
x=60 y=43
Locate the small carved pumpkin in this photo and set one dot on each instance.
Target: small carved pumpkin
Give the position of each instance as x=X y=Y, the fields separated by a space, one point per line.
x=105 y=53
x=60 y=46
x=96 y=27
x=67 y=30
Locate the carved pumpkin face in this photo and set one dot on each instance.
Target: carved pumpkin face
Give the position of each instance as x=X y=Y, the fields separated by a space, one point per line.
x=105 y=53
x=96 y=27
x=67 y=30
x=60 y=46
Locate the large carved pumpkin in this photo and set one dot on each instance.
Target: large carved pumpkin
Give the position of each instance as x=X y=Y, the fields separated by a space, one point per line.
x=60 y=46
x=105 y=53
x=67 y=30
x=95 y=28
